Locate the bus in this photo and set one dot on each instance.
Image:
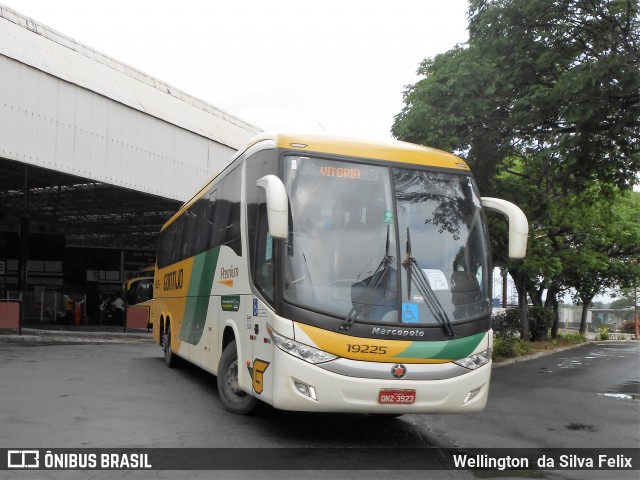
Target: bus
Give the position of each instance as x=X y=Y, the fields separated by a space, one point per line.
x=138 y=288
x=137 y=292
x=326 y=274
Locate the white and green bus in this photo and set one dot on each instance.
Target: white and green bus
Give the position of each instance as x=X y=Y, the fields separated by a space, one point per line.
x=325 y=274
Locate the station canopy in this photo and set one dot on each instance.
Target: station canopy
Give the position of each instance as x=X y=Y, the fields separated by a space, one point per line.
x=95 y=149
x=88 y=213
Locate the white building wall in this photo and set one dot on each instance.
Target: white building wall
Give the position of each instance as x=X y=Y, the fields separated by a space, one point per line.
x=65 y=107
x=569 y=315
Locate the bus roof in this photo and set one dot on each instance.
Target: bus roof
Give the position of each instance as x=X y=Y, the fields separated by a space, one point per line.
x=391 y=150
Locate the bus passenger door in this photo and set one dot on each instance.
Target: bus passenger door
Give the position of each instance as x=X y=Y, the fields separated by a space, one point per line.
x=262 y=350
x=261 y=249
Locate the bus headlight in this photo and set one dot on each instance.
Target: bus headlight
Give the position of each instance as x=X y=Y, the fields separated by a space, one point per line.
x=300 y=350
x=476 y=360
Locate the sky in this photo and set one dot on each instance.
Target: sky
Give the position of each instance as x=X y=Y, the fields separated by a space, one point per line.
x=335 y=66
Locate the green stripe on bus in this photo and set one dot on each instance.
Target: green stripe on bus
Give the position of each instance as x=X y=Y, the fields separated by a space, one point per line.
x=443 y=350
x=195 y=312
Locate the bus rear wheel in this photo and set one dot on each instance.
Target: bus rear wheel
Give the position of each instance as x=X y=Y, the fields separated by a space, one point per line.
x=170 y=358
x=233 y=398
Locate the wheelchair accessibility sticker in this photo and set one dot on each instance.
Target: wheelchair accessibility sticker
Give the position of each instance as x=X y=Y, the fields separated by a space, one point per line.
x=410 y=313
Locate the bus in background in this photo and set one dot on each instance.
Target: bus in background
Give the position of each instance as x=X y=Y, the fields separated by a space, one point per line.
x=325 y=274
x=137 y=292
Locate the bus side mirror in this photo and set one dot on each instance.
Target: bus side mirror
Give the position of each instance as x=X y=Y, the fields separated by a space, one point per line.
x=277 y=205
x=518 y=224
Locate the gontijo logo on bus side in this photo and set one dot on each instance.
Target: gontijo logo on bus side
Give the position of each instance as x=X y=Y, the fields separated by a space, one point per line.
x=405 y=351
x=173 y=280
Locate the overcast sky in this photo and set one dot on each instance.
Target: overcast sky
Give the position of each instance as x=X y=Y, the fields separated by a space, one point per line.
x=334 y=66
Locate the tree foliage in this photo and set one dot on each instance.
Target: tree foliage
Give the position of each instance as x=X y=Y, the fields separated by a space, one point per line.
x=544 y=104
x=556 y=82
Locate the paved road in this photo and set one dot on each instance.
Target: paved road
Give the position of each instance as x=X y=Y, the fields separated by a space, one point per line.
x=587 y=397
x=109 y=395
x=122 y=395
x=112 y=395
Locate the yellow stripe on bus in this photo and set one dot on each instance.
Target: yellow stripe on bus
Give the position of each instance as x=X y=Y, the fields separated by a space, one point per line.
x=366 y=349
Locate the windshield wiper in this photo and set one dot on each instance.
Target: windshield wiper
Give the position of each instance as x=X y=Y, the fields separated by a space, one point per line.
x=374 y=280
x=413 y=269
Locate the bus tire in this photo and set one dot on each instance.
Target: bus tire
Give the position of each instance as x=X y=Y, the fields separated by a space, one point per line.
x=232 y=397
x=170 y=358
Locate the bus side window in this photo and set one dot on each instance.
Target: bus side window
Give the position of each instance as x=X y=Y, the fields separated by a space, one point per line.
x=167 y=246
x=261 y=245
x=144 y=292
x=221 y=219
x=131 y=293
x=232 y=189
x=263 y=259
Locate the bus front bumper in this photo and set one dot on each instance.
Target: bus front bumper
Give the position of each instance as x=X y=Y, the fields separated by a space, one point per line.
x=327 y=391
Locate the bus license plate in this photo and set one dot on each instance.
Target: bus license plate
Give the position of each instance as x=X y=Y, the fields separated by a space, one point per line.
x=396 y=397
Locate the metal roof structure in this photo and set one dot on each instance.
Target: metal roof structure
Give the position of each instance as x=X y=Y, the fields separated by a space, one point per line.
x=89 y=213
x=95 y=148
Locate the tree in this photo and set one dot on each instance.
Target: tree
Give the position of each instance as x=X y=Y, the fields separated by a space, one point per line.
x=553 y=79
x=626 y=299
x=606 y=241
x=571 y=83
x=456 y=107
x=544 y=104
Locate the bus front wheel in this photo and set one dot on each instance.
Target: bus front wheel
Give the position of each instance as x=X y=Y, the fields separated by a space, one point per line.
x=233 y=398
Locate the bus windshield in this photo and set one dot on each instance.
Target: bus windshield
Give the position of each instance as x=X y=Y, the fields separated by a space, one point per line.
x=374 y=244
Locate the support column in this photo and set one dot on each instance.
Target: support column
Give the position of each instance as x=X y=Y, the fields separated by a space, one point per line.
x=23 y=268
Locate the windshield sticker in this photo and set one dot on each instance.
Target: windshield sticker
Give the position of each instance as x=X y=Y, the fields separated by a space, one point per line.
x=294 y=164
x=410 y=313
x=258 y=312
x=436 y=278
x=388 y=217
x=268 y=254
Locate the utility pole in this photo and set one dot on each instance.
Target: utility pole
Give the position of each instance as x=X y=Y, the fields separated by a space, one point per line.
x=635 y=309
x=504 y=287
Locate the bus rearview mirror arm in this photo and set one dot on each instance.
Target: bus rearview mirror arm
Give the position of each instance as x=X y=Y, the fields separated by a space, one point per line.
x=277 y=205
x=518 y=224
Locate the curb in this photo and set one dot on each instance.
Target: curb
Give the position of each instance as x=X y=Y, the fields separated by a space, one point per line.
x=37 y=336
x=533 y=356
x=142 y=333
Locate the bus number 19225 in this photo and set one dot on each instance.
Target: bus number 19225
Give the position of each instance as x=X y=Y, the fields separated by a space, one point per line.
x=374 y=349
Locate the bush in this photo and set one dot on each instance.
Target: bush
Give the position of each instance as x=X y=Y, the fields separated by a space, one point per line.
x=603 y=332
x=507 y=325
x=571 y=338
x=540 y=322
x=510 y=347
x=628 y=327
